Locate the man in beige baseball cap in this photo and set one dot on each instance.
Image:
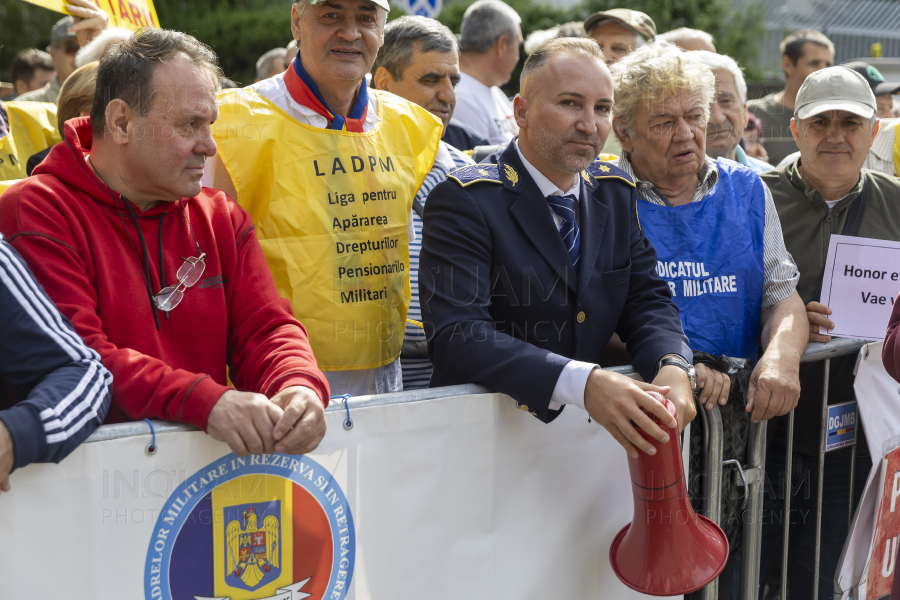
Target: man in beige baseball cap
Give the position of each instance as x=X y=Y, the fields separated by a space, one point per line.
x=824 y=192
x=833 y=89
x=619 y=31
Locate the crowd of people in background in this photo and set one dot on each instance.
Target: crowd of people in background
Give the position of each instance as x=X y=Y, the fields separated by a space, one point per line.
x=233 y=257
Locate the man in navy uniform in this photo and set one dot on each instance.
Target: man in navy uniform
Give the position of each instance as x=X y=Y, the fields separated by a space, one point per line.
x=532 y=261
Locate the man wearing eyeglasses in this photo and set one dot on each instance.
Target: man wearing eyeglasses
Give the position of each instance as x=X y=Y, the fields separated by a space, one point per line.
x=163 y=278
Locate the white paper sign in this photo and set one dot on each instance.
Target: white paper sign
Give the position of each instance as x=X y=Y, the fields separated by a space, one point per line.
x=862 y=278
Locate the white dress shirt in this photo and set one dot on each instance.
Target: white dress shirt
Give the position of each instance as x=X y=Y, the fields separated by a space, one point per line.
x=572 y=381
x=881 y=154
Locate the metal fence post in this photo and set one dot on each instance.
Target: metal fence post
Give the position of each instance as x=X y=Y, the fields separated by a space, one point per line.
x=713 y=440
x=815 y=593
x=752 y=542
x=788 y=476
x=853 y=463
x=850 y=503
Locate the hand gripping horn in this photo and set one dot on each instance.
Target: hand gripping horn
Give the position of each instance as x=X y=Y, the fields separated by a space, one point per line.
x=667 y=550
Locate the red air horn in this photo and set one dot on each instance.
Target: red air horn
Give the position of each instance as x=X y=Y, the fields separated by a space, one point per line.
x=667 y=550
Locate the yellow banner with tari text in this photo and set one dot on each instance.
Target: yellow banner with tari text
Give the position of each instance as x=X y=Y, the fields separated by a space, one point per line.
x=129 y=14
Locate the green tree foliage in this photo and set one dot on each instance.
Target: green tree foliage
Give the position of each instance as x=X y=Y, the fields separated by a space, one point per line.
x=736 y=32
x=22 y=25
x=240 y=31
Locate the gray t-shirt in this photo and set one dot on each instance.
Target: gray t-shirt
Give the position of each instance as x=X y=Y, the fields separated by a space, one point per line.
x=776 y=123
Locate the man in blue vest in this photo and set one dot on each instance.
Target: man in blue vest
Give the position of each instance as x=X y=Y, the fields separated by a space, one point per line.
x=714 y=227
x=716 y=233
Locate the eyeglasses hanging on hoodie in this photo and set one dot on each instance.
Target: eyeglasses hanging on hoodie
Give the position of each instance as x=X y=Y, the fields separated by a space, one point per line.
x=188 y=274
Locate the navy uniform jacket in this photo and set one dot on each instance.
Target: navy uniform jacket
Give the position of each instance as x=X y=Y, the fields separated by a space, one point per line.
x=501 y=302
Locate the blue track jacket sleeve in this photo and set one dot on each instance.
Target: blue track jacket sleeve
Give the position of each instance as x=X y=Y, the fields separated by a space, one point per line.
x=64 y=388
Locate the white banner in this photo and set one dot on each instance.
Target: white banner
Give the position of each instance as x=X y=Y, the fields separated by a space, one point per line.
x=860 y=282
x=866 y=568
x=462 y=497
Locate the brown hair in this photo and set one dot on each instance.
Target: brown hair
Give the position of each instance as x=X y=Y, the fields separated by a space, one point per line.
x=792 y=46
x=586 y=47
x=77 y=94
x=126 y=69
x=26 y=62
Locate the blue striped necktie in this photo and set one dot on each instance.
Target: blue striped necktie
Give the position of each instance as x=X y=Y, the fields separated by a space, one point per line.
x=564 y=207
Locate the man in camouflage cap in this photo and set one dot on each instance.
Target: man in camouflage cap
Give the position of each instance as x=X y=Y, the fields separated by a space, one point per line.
x=619 y=31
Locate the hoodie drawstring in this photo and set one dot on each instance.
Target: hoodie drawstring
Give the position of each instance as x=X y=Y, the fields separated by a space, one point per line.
x=162 y=264
x=146 y=265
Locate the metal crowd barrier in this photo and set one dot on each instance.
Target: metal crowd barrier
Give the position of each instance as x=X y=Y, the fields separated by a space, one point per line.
x=750 y=476
x=814 y=353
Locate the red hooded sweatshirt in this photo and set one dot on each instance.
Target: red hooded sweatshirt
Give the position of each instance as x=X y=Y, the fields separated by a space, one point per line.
x=82 y=244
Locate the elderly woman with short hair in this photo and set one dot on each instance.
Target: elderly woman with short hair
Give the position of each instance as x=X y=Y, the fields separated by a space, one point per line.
x=715 y=229
x=714 y=226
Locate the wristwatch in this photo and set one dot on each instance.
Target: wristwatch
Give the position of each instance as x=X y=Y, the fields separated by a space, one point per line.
x=681 y=364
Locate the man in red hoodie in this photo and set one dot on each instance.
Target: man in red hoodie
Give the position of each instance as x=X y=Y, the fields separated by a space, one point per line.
x=163 y=278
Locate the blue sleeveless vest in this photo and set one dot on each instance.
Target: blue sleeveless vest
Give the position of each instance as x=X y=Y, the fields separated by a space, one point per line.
x=711 y=254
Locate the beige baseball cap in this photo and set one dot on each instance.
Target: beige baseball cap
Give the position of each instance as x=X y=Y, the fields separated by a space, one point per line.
x=835 y=88
x=634 y=20
x=382 y=3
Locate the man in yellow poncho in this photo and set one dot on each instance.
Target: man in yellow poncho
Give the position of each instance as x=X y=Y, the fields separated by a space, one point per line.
x=328 y=170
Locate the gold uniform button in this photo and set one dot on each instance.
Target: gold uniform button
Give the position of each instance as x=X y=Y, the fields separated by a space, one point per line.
x=523 y=407
x=580 y=317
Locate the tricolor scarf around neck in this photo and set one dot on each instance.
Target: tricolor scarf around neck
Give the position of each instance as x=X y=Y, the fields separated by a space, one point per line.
x=304 y=91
